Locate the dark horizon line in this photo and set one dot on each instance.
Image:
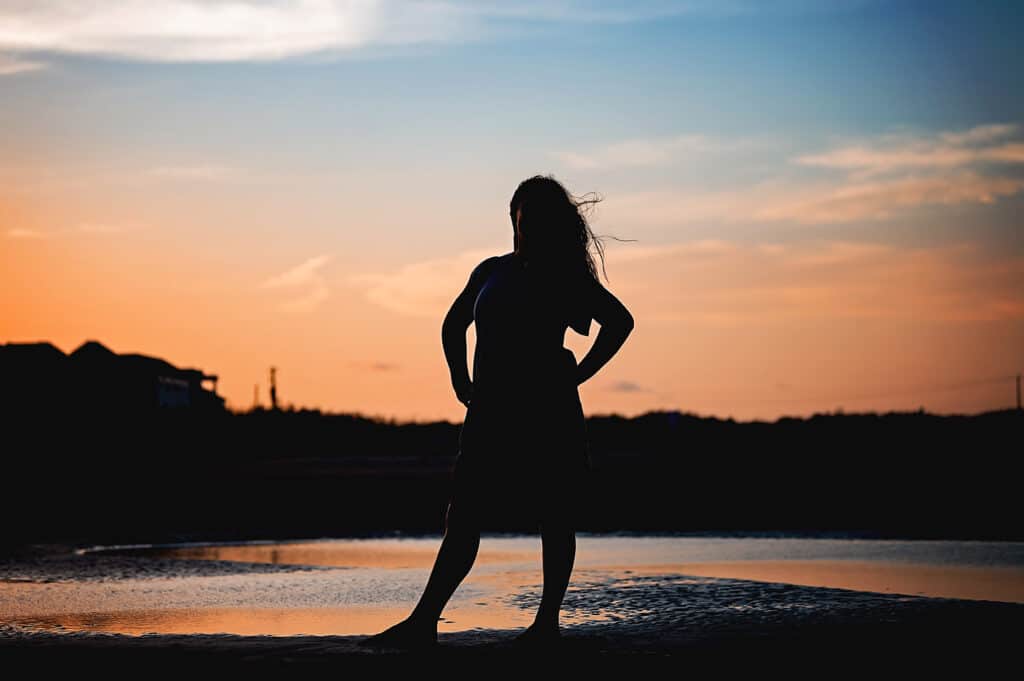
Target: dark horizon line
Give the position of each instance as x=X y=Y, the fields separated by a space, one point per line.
x=394 y=420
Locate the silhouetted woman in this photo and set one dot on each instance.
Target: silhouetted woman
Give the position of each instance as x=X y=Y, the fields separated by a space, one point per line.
x=522 y=445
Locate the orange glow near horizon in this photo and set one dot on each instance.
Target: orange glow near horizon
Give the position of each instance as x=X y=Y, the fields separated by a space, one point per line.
x=723 y=328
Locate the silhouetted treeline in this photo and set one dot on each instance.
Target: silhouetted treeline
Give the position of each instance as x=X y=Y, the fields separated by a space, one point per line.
x=92 y=474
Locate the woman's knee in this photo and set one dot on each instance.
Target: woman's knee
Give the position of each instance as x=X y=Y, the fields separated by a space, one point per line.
x=558 y=516
x=460 y=519
x=556 y=523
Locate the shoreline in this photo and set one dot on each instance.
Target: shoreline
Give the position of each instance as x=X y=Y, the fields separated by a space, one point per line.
x=940 y=634
x=681 y=616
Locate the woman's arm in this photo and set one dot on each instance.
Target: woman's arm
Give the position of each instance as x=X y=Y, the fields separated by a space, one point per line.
x=616 y=325
x=453 y=330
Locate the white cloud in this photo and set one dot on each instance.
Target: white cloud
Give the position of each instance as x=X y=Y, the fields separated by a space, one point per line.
x=22 y=233
x=12 y=65
x=307 y=279
x=82 y=228
x=300 y=275
x=809 y=203
x=254 y=30
x=889 y=153
x=981 y=134
x=861 y=201
x=236 y=30
x=187 y=30
x=875 y=179
x=423 y=289
x=893 y=173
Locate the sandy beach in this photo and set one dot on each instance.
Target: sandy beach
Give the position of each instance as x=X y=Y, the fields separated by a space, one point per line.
x=658 y=617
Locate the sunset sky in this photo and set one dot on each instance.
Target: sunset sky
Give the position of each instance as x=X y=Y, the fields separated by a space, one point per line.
x=824 y=200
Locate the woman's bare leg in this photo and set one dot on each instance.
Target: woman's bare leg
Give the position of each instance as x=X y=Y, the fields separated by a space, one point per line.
x=559 y=546
x=453 y=562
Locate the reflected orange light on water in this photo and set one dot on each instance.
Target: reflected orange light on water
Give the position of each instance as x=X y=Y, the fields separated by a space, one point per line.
x=376 y=554
x=349 y=621
x=375 y=583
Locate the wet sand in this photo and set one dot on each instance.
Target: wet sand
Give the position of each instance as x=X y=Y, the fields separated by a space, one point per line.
x=644 y=617
x=988 y=583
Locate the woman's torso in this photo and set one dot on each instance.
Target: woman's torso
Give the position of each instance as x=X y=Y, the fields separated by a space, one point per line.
x=520 y=318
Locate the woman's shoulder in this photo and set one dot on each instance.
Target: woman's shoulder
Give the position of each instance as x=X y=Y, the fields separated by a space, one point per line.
x=496 y=260
x=488 y=265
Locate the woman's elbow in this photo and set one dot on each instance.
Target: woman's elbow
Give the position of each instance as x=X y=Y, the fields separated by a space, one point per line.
x=621 y=324
x=627 y=323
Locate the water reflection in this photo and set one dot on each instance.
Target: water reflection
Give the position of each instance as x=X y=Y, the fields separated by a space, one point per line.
x=355 y=620
x=377 y=581
x=376 y=553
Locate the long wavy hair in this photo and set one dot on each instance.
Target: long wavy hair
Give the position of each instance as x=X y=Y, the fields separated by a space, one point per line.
x=556 y=237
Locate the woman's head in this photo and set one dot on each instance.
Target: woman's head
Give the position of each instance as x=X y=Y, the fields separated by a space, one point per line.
x=549 y=227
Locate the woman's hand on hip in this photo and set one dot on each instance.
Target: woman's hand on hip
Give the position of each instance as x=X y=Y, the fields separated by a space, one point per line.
x=464 y=391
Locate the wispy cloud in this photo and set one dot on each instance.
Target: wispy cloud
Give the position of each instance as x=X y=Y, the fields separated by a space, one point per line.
x=981 y=134
x=889 y=174
x=422 y=289
x=305 y=281
x=188 y=30
x=300 y=275
x=860 y=201
x=871 y=180
x=628 y=387
x=10 y=66
x=251 y=30
x=992 y=143
x=22 y=233
x=92 y=228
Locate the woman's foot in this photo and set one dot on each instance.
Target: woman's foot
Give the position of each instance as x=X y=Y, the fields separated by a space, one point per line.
x=407 y=634
x=538 y=635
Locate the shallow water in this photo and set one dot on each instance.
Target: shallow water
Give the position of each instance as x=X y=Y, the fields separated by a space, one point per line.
x=609 y=550
x=364 y=585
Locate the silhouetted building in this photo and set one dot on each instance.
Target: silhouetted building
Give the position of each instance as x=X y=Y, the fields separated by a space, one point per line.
x=39 y=375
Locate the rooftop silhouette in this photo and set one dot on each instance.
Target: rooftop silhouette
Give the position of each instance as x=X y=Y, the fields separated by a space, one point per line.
x=40 y=375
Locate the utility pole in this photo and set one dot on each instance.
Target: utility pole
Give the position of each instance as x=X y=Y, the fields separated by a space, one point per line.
x=273 y=388
x=1018 y=392
x=255 y=395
